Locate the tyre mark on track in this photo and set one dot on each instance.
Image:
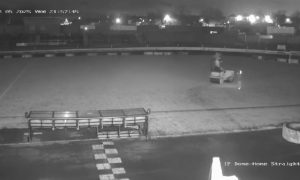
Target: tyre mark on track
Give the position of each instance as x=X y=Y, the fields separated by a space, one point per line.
x=13 y=82
x=230 y=108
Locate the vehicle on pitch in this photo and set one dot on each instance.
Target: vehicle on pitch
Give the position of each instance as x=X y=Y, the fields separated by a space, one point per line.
x=218 y=74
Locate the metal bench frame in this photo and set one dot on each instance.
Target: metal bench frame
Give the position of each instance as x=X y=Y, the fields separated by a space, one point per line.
x=103 y=120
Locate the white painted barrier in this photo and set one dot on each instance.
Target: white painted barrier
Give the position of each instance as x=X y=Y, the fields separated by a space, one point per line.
x=125 y=54
x=26 y=56
x=148 y=53
x=260 y=57
x=284 y=60
x=69 y=54
x=92 y=54
x=158 y=53
x=168 y=53
x=293 y=61
x=7 y=56
x=112 y=53
x=49 y=55
x=183 y=53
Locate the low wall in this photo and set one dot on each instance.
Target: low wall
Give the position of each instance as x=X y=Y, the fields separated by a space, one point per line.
x=291 y=57
x=142 y=49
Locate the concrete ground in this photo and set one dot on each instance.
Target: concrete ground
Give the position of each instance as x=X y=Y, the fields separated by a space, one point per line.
x=263 y=155
x=176 y=88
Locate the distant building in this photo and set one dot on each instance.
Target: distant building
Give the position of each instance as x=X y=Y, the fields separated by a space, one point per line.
x=281 y=30
x=43 y=25
x=13 y=30
x=118 y=27
x=215 y=24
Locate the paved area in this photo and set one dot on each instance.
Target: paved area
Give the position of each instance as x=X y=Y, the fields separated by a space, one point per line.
x=261 y=155
x=250 y=156
x=162 y=83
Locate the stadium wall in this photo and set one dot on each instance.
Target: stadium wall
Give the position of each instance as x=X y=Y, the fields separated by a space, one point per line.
x=291 y=57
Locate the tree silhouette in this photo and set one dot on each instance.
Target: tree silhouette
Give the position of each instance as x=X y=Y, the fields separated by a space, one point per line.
x=212 y=14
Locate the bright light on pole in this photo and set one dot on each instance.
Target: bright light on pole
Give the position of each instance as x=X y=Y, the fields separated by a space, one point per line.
x=118 y=20
x=167 y=18
x=239 y=18
x=288 y=20
x=268 y=19
x=252 y=19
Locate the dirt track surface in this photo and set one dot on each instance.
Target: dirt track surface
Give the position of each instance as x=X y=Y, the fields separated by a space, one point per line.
x=162 y=83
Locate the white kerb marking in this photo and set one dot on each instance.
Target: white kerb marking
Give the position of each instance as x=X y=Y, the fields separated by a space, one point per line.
x=100 y=156
x=118 y=170
x=111 y=151
x=106 y=177
x=114 y=160
x=97 y=147
x=103 y=166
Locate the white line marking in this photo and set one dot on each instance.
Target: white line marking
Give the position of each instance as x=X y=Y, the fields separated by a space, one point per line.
x=106 y=177
x=103 y=166
x=124 y=179
x=114 y=160
x=108 y=143
x=118 y=170
x=12 y=83
x=111 y=151
x=100 y=156
x=97 y=146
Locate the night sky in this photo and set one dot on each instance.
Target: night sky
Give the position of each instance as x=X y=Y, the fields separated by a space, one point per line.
x=144 y=6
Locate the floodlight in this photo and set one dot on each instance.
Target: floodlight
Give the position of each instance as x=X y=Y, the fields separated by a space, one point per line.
x=252 y=19
x=167 y=18
x=118 y=20
x=288 y=20
x=268 y=19
x=239 y=18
